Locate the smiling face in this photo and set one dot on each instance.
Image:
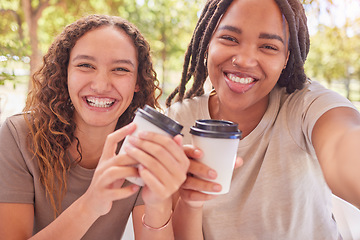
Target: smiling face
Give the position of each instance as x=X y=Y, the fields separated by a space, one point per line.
x=247 y=53
x=102 y=75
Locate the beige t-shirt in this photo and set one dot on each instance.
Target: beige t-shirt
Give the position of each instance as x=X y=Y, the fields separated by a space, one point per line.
x=280 y=191
x=19 y=183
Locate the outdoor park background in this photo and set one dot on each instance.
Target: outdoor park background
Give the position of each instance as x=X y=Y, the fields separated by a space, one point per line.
x=27 y=28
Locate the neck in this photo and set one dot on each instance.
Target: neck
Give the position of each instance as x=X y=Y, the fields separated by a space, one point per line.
x=247 y=118
x=92 y=140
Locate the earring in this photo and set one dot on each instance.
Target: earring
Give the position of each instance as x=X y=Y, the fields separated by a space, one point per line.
x=70 y=104
x=233 y=62
x=205 y=59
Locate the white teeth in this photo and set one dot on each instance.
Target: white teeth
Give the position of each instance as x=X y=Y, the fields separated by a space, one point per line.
x=237 y=79
x=100 y=102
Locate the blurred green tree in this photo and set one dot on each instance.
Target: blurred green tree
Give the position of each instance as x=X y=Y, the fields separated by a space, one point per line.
x=29 y=26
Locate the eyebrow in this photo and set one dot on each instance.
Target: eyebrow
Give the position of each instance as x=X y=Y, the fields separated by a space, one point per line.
x=87 y=57
x=271 y=36
x=261 y=36
x=231 y=28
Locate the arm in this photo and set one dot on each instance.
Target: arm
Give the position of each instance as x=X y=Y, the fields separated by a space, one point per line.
x=16 y=220
x=336 y=139
x=162 y=166
x=187 y=219
x=75 y=221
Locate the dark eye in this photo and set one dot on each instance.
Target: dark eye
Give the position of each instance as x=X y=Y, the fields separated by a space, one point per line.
x=270 y=47
x=85 y=65
x=121 y=69
x=229 y=38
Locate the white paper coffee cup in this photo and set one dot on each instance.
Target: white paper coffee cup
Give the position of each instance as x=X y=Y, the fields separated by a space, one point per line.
x=219 y=141
x=150 y=120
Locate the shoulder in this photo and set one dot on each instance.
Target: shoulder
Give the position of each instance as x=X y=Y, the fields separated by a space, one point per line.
x=304 y=107
x=15 y=126
x=16 y=122
x=314 y=95
x=193 y=106
x=189 y=110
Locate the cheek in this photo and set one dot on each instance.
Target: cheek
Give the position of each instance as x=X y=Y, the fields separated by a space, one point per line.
x=216 y=57
x=273 y=67
x=74 y=85
x=126 y=87
x=216 y=54
x=276 y=70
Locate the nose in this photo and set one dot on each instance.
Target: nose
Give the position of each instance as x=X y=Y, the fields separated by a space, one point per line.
x=101 y=83
x=245 y=57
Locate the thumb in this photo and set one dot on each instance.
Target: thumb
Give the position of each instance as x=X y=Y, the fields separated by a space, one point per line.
x=114 y=138
x=178 y=139
x=238 y=162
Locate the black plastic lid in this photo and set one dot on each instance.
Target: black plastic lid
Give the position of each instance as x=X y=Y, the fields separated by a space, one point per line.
x=160 y=120
x=215 y=129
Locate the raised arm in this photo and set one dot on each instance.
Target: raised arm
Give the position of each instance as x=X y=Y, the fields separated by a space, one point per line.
x=17 y=219
x=336 y=139
x=187 y=219
x=162 y=166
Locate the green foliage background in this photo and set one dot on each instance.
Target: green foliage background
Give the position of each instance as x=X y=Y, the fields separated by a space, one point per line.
x=167 y=24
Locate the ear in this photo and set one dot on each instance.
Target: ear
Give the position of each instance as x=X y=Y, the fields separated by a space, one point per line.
x=137 y=88
x=287 y=59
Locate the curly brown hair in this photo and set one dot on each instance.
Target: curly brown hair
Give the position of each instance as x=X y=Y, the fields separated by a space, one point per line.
x=293 y=76
x=50 y=112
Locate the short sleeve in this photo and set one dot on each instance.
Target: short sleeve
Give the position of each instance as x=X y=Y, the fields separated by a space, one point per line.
x=326 y=100
x=307 y=106
x=16 y=181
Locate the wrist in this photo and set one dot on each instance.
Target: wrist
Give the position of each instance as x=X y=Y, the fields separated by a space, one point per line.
x=85 y=208
x=156 y=228
x=191 y=205
x=157 y=216
x=159 y=206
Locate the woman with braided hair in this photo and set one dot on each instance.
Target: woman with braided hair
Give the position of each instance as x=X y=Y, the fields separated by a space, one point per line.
x=300 y=140
x=60 y=174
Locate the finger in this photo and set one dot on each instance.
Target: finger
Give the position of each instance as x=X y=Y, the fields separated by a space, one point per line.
x=192 y=152
x=124 y=160
x=120 y=160
x=143 y=158
x=113 y=174
x=190 y=195
x=167 y=143
x=156 y=167
x=238 y=162
x=122 y=193
x=201 y=170
x=197 y=184
x=153 y=183
x=178 y=139
x=163 y=151
x=114 y=138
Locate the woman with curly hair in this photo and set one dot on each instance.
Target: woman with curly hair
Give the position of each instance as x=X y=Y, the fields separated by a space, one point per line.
x=300 y=141
x=60 y=174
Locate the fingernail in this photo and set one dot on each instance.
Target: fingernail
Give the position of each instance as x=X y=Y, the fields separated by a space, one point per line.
x=143 y=134
x=128 y=148
x=212 y=174
x=132 y=138
x=197 y=152
x=217 y=188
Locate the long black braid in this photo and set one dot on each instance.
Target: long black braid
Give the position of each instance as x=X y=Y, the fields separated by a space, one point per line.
x=293 y=76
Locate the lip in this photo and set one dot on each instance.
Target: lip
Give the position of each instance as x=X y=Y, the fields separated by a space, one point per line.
x=99 y=103
x=240 y=82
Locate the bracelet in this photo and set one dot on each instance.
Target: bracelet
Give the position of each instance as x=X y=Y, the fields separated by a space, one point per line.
x=156 y=229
